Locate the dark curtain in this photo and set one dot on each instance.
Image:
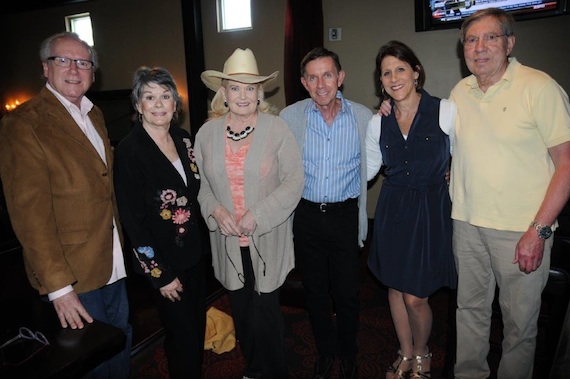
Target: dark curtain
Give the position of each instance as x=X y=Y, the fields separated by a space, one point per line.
x=194 y=52
x=303 y=32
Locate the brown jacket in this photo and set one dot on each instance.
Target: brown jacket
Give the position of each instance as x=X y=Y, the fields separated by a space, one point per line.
x=59 y=195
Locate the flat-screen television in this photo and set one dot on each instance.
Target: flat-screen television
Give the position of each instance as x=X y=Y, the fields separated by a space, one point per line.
x=445 y=14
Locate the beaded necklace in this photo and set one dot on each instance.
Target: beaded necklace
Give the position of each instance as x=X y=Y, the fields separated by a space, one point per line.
x=237 y=136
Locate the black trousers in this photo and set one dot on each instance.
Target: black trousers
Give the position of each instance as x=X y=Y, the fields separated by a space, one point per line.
x=326 y=251
x=259 y=327
x=184 y=324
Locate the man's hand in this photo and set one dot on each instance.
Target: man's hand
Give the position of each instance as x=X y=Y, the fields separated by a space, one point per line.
x=385 y=108
x=529 y=252
x=70 y=311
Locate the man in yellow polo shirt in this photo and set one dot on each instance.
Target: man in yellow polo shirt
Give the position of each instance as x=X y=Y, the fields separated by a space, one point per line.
x=510 y=179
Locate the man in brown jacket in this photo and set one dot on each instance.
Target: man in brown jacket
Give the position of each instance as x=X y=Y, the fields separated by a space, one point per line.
x=56 y=170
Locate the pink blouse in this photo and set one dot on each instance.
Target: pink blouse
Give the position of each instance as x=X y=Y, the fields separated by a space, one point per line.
x=234 y=169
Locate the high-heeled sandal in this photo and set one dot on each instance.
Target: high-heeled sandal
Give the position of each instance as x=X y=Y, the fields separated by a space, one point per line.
x=397 y=371
x=417 y=371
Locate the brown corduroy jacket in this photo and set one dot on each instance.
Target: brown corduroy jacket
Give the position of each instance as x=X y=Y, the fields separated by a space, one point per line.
x=59 y=195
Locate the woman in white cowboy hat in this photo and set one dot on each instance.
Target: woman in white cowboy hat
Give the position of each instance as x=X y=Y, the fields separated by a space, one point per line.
x=251 y=181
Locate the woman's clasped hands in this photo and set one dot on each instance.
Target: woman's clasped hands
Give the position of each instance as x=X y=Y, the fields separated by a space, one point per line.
x=230 y=227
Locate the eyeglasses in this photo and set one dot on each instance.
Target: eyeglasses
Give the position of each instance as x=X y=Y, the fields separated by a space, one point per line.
x=14 y=353
x=27 y=334
x=487 y=39
x=66 y=62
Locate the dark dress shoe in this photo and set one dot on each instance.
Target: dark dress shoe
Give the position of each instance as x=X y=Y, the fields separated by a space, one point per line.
x=323 y=367
x=348 y=369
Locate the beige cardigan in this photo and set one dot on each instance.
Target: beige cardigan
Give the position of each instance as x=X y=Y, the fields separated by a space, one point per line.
x=274 y=182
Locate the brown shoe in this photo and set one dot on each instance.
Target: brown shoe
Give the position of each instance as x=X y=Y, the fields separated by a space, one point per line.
x=418 y=371
x=399 y=369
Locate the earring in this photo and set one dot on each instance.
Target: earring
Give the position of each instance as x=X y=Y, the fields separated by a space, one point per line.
x=140 y=118
x=416 y=83
x=225 y=104
x=258 y=101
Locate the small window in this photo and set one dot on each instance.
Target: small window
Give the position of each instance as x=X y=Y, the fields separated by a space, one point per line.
x=233 y=15
x=80 y=24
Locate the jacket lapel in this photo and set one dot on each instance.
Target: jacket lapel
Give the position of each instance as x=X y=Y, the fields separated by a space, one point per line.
x=65 y=122
x=163 y=165
x=183 y=154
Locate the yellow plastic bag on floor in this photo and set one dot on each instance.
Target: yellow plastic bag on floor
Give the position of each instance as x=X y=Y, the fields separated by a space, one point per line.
x=220 y=332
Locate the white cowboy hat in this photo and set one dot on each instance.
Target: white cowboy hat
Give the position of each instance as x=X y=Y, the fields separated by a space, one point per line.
x=241 y=67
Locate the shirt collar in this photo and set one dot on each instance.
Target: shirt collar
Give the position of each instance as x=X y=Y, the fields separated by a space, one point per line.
x=313 y=106
x=507 y=75
x=86 y=104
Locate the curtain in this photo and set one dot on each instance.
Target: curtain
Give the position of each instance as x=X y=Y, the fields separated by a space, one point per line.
x=303 y=32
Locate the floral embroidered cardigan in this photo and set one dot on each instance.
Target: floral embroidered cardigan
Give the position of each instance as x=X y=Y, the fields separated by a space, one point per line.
x=159 y=212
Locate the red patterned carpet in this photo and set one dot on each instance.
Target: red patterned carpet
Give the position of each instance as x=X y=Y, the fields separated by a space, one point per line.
x=377 y=339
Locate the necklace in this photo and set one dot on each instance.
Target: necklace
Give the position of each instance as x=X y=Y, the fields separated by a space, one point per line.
x=236 y=136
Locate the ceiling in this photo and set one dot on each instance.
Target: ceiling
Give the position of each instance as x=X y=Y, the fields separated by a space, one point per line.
x=19 y=6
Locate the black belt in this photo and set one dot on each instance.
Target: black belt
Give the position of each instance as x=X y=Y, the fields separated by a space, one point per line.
x=326 y=207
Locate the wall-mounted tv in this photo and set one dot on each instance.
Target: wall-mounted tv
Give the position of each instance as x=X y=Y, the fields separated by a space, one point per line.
x=445 y=14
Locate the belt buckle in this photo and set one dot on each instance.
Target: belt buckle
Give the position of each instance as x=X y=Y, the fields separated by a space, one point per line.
x=323 y=207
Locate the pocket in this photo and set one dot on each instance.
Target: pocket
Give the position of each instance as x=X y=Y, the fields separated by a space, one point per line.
x=427 y=146
x=73 y=237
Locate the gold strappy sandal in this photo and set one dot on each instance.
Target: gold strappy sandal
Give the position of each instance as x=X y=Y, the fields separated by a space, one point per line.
x=418 y=372
x=397 y=372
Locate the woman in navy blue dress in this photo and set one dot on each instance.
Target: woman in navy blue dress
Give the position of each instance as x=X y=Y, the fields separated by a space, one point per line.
x=411 y=246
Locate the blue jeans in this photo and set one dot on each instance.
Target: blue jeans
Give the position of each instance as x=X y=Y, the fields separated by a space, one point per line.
x=109 y=304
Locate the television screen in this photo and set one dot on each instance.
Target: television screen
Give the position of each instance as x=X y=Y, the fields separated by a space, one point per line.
x=444 y=14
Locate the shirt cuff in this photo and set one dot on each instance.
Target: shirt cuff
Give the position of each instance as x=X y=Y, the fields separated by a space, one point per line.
x=59 y=293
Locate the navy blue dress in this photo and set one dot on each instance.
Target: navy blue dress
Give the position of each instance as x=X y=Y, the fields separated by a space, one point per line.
x=411 y=242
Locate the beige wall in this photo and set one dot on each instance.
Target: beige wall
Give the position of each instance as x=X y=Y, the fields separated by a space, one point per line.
x=266 y=39
x=366 y=25
x=129 y=33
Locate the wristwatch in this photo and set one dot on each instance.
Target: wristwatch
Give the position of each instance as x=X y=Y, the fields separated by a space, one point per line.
x=544 y=231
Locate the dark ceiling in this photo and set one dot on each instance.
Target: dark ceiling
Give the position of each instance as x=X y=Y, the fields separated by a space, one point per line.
x=19 y=6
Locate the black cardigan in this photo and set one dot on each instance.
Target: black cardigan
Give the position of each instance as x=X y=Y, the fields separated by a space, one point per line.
x=159 y=213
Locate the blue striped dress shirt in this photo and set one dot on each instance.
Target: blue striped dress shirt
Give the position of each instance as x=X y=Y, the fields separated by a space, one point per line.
x=331 y=156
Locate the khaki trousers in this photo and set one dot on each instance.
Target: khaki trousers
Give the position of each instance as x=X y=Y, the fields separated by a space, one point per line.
x=484 y=259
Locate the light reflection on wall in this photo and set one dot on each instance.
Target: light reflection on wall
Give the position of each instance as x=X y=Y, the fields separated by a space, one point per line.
x=12 y=101
x=12 y=105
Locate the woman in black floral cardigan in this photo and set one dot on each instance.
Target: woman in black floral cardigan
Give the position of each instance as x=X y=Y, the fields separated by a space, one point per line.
x=156 y=184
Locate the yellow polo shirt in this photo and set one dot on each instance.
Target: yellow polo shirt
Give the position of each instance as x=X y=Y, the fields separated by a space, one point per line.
x=501 y=167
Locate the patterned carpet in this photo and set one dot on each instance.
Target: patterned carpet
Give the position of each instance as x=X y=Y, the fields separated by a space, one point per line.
x=377 y=339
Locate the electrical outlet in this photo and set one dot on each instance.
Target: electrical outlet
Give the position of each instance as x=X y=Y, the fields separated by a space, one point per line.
x=335 y=34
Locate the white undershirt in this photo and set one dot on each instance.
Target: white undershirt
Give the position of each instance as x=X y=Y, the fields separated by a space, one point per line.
x=447 y=113
x=178 y=166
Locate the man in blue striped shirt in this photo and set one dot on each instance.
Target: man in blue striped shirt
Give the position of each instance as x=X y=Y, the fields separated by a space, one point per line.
x=330 y=223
